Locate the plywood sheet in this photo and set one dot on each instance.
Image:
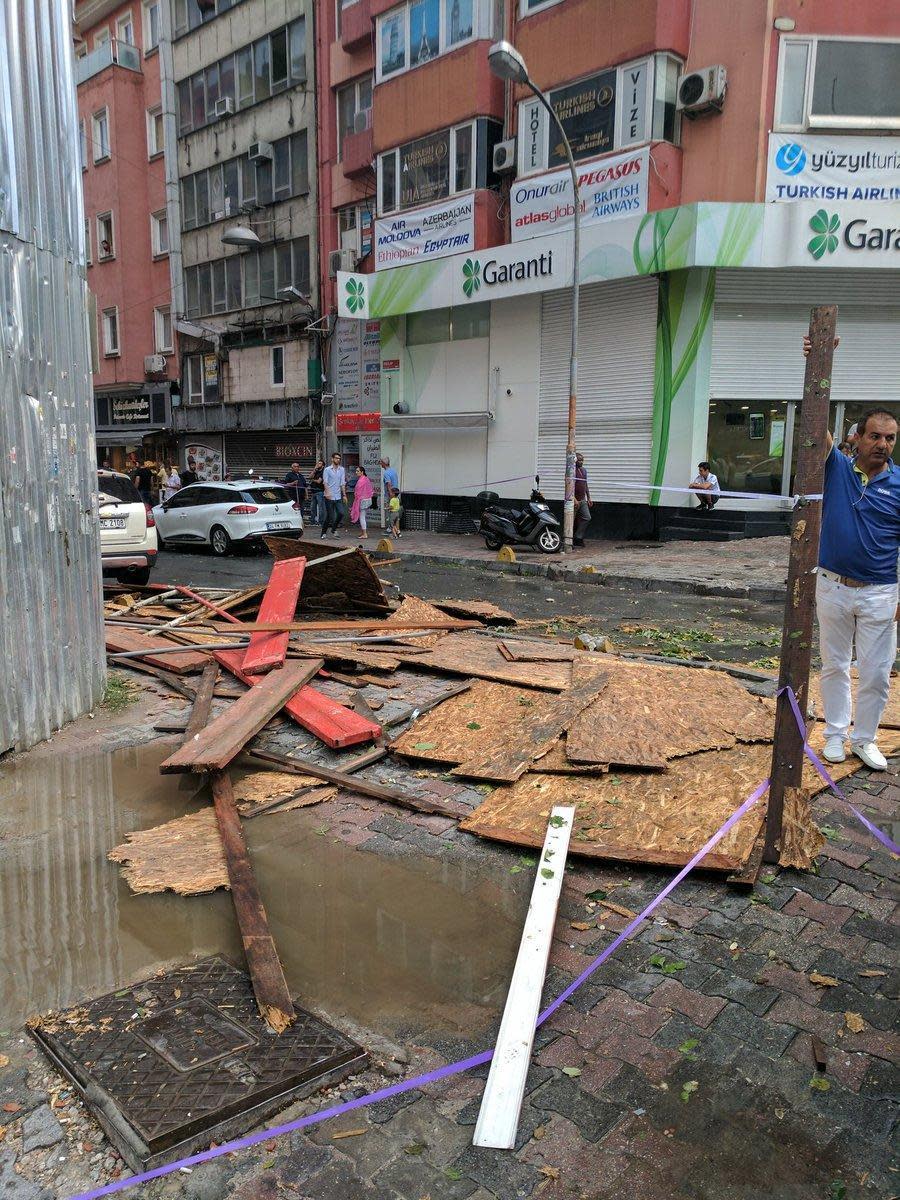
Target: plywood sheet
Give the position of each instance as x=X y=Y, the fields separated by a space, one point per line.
x=655 y=818
x=891 y=716
x=650 y=714
x=555 y=761
x=477 y=655
x=268 y=785
x=414 y=609
x=535 y=650
x=508 y=756
x=479 y=610
x=184 y=856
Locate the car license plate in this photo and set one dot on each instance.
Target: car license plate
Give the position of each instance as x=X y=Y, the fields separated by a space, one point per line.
x=278 y=524
x=112 y=522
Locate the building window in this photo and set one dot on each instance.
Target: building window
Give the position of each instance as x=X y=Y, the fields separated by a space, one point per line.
x=125 y=29
x=251 y=280
x=530 y=6
x=82 y=144
x=218 y=192
x=420 y=30
x=155 y=132
x=354 y=109
x=253 y=73
x=834 y=83
x=162 y=330
x=355 y=229
x=442 y=164
x=110 y=318
x=200 y=384
x=100 y=134
x=448 y=324
x=159 y=232
x=106 y=246
x=188 y=14
x=151 y=26
x=341 y=6
x=101 y=37
x=87 y=241
x=278 y=366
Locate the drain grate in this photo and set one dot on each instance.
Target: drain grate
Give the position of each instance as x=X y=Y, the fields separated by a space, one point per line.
x=184 y=1059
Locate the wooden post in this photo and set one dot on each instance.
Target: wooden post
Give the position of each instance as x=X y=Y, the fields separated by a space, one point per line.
x=796 y=638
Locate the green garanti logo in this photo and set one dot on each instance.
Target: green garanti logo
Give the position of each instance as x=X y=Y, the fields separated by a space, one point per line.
x=471 y=276
x=825 y=228
x=356 y=294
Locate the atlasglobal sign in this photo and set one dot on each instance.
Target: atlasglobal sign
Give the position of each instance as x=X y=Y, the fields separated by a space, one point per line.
x=615 y=186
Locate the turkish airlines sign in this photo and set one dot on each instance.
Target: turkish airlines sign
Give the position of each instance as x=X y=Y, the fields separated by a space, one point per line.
x=611 y=187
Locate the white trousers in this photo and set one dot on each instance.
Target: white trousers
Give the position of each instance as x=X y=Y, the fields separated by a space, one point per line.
x=866 y=615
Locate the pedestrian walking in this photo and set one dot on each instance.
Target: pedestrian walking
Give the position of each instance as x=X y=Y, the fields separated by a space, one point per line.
x=171 y=485
x=296 y=485
x=389 y=480
x=395 y=512
x=707 y=485
x=143 y=481
x=362 y=500
x=317 y=494
x=856 y=585
x=583 y=501
x=334 y=480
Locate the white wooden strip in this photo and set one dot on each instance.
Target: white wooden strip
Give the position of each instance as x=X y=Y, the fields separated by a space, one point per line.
x=498 y=1118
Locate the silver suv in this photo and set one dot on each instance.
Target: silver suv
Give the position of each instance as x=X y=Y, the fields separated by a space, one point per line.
x=127 y=529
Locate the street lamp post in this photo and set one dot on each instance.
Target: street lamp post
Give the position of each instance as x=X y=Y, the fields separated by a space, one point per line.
x=506 y=62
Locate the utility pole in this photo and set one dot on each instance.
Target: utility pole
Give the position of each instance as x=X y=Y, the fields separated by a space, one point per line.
x=799 y=610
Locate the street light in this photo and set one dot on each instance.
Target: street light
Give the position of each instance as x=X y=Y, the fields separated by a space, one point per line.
x=506 y=62
x=240 y=236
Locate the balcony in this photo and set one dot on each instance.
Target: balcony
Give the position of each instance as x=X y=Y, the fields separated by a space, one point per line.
x=356 y=150
x=120 y=54
x=356 y=24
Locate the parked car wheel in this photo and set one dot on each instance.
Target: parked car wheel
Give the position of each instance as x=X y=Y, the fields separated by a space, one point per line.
x=219 y=541
x=492 y=543
x=549 y=541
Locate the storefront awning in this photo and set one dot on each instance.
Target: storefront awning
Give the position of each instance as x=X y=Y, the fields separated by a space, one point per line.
x=416 y=422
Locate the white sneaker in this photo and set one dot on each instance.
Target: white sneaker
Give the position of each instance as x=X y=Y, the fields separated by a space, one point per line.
x=834 y=749
x=870 y=754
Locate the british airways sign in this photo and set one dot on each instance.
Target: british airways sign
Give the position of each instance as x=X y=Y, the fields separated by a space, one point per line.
x=615 y=186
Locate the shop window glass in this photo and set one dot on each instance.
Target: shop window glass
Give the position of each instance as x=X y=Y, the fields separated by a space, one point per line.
x=745 y=444
x=423 y=328
x=470 y=321
x=793 y=83
x=855 y=80
x=389 y=182
x=424 y=31
x=392 y=42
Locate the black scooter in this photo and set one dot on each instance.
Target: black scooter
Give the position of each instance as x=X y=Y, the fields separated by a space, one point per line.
x=533 y=525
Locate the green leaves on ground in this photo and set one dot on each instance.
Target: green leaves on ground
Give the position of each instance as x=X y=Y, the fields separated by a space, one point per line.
x=818 y=1084
x=668 y=966
x=687 y=1046
x=425 y=746
x=599 y=894
x=572 y=1072
x=688 y=1089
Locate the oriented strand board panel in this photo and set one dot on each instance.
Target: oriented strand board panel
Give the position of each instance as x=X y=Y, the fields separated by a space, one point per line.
x=507 y=758
x=479 y=610
x=655 y=818
x=414 y=609
x=184 y=856
x=478 y=655
x=652 y=713
x=891 y=716
x=268 y=785
x=533 y=650
x=555 y=761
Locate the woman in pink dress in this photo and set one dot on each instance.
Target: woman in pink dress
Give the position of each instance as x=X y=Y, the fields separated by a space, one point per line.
x=362 y=500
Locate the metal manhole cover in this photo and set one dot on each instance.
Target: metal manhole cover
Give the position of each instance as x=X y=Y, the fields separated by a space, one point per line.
x=184 y=1059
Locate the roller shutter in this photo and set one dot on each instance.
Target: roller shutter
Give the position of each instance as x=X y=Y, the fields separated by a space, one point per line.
x=616 y=356
x=269 y=454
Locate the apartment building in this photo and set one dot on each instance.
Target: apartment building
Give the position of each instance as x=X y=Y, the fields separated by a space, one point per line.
x=122 y=144
x=735 y=166
x=246 y=297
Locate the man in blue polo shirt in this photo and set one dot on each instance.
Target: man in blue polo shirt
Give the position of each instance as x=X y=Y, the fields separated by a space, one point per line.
x=856 y=588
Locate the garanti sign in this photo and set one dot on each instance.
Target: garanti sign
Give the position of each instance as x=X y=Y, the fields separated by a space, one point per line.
x=863 y=236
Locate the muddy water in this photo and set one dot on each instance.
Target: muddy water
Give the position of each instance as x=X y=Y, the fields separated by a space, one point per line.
x=394 y=947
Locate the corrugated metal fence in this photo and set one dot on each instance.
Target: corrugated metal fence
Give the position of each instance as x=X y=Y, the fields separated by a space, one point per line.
x=51 y=635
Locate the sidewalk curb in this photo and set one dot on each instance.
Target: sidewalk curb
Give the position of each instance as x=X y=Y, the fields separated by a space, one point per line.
x=572 y=575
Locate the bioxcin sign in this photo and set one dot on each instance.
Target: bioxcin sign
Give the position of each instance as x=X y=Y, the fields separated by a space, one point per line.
x=813 y=167
x=608 y=188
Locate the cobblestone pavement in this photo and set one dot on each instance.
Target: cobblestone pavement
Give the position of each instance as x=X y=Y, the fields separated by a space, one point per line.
x=683 y=1070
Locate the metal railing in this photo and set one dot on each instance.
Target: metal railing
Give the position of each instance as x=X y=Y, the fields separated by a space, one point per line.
x=123 y=54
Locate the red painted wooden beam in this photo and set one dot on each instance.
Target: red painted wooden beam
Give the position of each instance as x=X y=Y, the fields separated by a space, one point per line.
x=268 y=650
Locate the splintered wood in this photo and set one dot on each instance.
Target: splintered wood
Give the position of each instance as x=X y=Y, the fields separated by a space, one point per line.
x=801 y=840
x=648 y=715
x=414 y=609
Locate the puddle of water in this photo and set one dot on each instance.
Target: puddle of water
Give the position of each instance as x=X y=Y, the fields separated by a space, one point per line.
x=393 y=946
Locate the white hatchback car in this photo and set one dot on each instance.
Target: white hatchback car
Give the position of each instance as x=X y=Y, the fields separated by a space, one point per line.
x=127 y=534
x=222 y=515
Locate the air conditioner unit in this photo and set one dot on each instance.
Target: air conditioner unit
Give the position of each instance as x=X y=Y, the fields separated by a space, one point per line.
x=340 y=260
x=362 y=121
x=154 y=364
x=505 y=157
x=702 y=91
x=224 y=107
x=260 y=151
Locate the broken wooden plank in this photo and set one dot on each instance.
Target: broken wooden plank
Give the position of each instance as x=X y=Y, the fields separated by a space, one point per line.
x=363 y=787
x=124 y=641
x=361 y=626
x=267 y=650
x=202 y=701
x=223 y=739
x=166 y=677
x=473 y=654
x=536 y=651
x=505 y=759
x=266 y=973
x=501 y=1102
x=481 y=610
x=333 y=723
x=347 y=582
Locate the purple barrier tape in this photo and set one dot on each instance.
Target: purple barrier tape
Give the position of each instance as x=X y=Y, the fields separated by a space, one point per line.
x=823 y=771
x=465 y=1064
